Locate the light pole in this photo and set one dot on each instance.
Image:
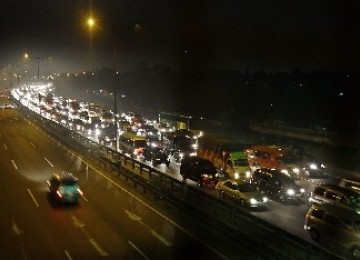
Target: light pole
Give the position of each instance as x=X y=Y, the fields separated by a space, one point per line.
x=91 y=23
x=38 y=68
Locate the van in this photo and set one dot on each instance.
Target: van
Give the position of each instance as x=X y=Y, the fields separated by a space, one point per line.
x=334 y=194
x=198 y=169
x=335 y=225
x=351 y=184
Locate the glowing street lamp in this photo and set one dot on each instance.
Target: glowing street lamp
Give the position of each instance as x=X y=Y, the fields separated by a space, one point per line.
x=91 y=22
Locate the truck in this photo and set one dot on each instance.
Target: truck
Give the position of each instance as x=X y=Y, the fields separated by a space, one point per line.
x=226 y=154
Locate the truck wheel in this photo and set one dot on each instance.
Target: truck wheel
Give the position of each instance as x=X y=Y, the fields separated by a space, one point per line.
x=242 y=203
x=314 y=234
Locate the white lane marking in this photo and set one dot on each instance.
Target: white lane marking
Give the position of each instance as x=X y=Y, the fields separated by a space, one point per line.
x=138 y=250
x=33 y=145
x=101 y=251
x=137 y=218
x=14 y=164
x=49 y=162
x=5 y=146
x=76 y=222
x=149 y=207
x=67 y=255
x=33 y=198
x=16 y=229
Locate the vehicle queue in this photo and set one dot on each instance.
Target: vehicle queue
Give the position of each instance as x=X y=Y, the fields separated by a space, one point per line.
x=273 y=169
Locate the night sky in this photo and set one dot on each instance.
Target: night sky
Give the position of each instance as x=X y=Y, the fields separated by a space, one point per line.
x=254 y=35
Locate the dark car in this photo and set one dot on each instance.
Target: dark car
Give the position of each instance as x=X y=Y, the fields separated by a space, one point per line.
x=200 y=170
x=107 y=135
x=277 y=184
x=156 y=155
x=312 y=166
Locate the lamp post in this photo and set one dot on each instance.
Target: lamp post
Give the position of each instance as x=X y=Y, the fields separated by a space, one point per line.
x=91 y=24
x=38 y=67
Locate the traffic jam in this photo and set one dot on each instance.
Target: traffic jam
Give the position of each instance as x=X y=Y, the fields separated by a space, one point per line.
x=250 y=175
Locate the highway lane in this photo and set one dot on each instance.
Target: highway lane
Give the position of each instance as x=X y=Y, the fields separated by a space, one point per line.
x=289 y=217
x=108 y=222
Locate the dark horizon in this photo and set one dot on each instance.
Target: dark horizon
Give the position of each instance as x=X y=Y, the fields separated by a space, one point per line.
x=236 y=35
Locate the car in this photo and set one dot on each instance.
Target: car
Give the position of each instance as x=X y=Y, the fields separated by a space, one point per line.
x=243 y=192
x=312 y=167
x=107 y=135
x=336 y=226
x=334 y=194
x=200 y=170
x=156 y=155
x=277 y=184
x=64 y=187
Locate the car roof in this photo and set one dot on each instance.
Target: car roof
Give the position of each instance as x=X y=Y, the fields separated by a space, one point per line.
x=64 y=175
x=338 y=188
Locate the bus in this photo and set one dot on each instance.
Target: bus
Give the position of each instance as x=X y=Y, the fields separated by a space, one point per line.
x=131 y=143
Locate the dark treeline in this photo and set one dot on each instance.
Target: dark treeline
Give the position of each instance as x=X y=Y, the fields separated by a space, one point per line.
x=312 y=99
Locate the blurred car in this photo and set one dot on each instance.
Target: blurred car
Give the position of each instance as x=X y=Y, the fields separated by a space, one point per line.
x=200 y=170
x=312 y=166
x=277 y=184
x=64 y=187
x=107 y=135
x=335 y=226
x=243 y=192
x=156 y=155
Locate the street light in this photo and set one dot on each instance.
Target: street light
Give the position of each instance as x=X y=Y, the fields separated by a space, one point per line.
x=91 y=23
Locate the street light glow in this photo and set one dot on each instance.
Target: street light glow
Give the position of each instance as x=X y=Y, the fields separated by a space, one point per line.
x=91 y=22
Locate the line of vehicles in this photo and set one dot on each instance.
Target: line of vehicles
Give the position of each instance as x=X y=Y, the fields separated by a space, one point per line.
x=247 y=174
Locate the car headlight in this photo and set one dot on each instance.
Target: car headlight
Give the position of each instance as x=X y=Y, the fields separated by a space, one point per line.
x=296 y=170
x=236 y=175
x=253 y=201
x=247 y=174
x=290 y=192
x=313 y=166
x=285 y=171
x=302 y=190
x=265 y=199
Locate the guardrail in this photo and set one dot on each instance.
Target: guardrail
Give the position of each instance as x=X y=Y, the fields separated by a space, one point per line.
x=265 y=239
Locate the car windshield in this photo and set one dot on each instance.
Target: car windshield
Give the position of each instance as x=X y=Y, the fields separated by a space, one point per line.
x=241 y=163
x=288 y=181
x=246 y=187
x=69 y=182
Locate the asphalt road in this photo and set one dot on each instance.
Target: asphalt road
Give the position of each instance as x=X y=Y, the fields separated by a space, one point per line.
x=108 y=222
